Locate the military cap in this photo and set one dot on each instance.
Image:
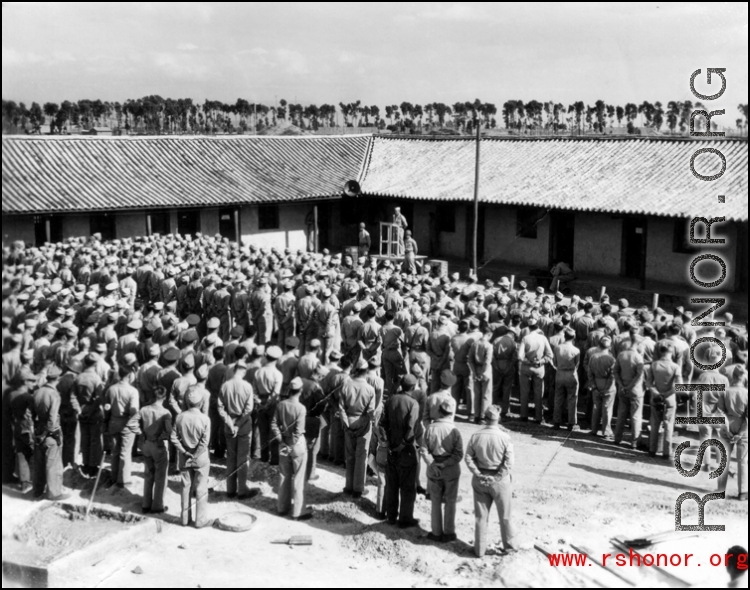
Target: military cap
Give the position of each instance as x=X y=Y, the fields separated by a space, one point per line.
x=190 y=336
x=492 y=414
x=408 y=382
x=194 y=397
x=100 y=348
x=193 y=320
x=135 y=324
x=213 y=323
x=273 y=353
x=295 y=385
x=335 y=355
x=447 y=378
x=188 y=362
x=171 y=355
x=53 y=372
x=292 y=342
x=448 y=407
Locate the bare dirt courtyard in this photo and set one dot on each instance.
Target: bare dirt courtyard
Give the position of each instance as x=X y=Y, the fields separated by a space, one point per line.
x=569 y=489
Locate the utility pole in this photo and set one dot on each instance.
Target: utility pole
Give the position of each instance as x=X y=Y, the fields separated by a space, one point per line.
x=476 y=198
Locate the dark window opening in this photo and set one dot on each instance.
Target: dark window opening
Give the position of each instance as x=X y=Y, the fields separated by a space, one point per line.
x=103 y=224
x=268 y=217
x=45 y=223
x=681 y=237
x=160 y=223
x=226 y=223
x=188 y=222
x=527 y=219
x=445 y=213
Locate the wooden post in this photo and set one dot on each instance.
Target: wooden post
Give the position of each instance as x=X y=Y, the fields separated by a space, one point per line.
x=655 y=302
x=476 y=198
x=148 y=224
x=48 y=229
x=602 y=292
x=237 y=226
x=512 y=281
x=315 y=227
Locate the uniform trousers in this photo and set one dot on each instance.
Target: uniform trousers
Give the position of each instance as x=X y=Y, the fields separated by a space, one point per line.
x=400 y=485
x=630 y=405
x=566 y=396
x=499 y=493
x=503 y=376
x=156 y=463
x=356 y=447
x=664 y=418
x=195 y=485
x=122 y=456
x=292 y=468
x=604 y=401
x=443 y=495
x=482 y=395
x=531 y=377
x=91 y=444
x=48 y=468
x=238 y=455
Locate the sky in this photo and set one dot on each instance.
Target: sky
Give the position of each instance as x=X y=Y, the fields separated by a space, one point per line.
x=379 y=53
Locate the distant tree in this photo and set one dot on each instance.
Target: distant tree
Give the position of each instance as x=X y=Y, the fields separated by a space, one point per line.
x=673 y=114
x=50 y=109
x=658 y=115
x=619 y=113
x=646 y=109
x=389 y=114
x=578 y=108
x=742 y=108
x=687 y=108
x=631 y=112
x=600 y=111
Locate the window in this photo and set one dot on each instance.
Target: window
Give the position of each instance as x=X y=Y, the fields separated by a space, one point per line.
x=160 y=222
x=47 y=228
x=445 y=215
x=681 y=238
x=268 y=217
x=527 y=219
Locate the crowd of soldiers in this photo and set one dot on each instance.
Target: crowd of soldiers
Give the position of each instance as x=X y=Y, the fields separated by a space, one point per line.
x=173 y=347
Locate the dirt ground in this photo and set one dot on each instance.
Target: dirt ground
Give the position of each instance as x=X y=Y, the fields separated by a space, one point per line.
x=569 y=488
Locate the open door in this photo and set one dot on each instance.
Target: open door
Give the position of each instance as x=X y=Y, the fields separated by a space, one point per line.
x=188 y=222
x=562 y=238
x=227 y=227
x=634 y=248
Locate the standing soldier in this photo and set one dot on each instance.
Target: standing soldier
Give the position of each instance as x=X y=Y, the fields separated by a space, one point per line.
x=443 y=451
x=156 y=425
x=439 y=349
x=629 y=370
x=283 y=309
x=221 y=300
x=357 y=408
x=267 y=385
x=235 y=406
x=480 y=364
x=88 y=388
x=489 y=457
x=567 y=360
x=327 y=322
x=400 y=418
x=192 y=431
x=660 y=379
x=48 y=467
x=733 y=434
x=69 y=411
x=504 y=363
x=121 y=415
x=401 y=224
x=21 y=410
x=601 y=381
x=306 y=318
x=464 y=386
x=288 y=428
x=261 y=311
x=363 y=241
x=533 y=353
x=393 y=362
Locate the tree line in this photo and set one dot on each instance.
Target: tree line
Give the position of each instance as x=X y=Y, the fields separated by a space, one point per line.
x=156 y=115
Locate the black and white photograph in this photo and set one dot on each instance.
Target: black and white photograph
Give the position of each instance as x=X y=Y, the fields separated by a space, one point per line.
x=374 y=294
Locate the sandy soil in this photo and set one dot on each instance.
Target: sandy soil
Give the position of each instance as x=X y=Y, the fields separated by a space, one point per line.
x=569 y=488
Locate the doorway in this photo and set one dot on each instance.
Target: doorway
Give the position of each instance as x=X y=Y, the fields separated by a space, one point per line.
x=227 y=227
x=160 y=222
x=562 y=238
x=103 y=224
x=634 y=247
x=188 y=222
x=47 y=228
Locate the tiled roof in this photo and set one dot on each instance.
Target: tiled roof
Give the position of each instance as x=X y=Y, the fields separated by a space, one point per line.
x=74 y=174
x=639 y=176
x=646 y=176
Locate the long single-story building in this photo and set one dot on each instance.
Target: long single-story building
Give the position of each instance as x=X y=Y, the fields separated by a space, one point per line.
x=609 y=206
